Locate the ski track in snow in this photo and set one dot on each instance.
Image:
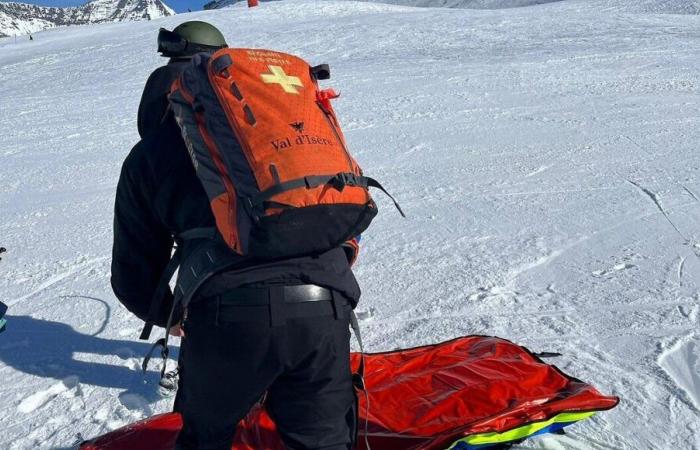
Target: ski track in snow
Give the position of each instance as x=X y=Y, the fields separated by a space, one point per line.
x=56 y=278
x=540 y=154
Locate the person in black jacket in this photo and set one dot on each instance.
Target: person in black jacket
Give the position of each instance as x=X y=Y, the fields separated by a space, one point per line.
x=279 y=328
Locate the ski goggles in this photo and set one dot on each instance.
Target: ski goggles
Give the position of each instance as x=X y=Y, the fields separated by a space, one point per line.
x=173 y=45
x=3 y=322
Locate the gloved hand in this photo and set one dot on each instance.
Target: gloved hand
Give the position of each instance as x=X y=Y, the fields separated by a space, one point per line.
x=177 y=331
x=352 y=249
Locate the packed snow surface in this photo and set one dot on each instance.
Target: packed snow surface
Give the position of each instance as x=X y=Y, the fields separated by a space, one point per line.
x=546 y=157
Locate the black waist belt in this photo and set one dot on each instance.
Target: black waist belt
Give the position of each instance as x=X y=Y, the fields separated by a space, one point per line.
x=287 y=294
x=268 y=304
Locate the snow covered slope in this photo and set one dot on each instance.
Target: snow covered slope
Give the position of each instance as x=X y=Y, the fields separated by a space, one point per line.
x=546 y=156
x=22 y=18
x=652 y=6
x=634 y=6
x=616 y=6
x=471 y=4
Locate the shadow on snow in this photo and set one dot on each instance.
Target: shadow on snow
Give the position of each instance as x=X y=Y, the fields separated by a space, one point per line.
x=47 y=349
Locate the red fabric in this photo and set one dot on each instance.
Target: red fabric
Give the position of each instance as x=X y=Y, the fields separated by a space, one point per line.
x=420 y=399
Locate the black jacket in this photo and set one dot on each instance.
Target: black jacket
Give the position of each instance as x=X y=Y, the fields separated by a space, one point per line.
x=160 y=196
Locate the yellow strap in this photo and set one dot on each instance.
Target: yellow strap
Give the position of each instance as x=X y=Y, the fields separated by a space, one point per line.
x=522 y=432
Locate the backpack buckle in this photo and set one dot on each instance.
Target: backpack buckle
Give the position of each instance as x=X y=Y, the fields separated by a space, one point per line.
x=321 y=72
x=344 y=179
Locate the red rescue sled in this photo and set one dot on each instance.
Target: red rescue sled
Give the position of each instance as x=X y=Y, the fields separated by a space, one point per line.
x=469 y=393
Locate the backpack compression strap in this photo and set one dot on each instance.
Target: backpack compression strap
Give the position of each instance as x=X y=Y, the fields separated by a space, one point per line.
x=338 y=181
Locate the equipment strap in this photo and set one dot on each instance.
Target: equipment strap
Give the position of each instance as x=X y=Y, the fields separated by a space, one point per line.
x=374 y=183
x=359 y=376
x=163 y=286
x=212 y=254
x=338 y=181
x=199 y=233
x=309 y=182
x=169 y=271
x=355 y=325
x=163 y=343
x=164 y=353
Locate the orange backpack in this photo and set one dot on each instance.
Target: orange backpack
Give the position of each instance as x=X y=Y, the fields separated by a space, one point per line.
x=268 y=149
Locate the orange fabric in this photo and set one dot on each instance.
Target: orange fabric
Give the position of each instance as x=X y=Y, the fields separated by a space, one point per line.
x=225 y=217
x=291 y=136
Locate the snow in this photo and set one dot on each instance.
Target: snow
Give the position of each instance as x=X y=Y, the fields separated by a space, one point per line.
x=545 y=155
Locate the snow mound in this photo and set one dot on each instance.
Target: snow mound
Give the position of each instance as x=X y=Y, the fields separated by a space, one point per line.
x=682 y=363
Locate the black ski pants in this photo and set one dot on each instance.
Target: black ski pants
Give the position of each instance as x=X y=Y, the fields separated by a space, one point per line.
x=298 y=353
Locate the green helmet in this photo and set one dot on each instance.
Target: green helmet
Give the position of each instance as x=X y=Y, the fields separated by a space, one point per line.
x=189 y=38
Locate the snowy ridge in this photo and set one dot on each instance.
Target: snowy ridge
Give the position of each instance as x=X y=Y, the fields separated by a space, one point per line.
x=22 y=18
x=546 y=157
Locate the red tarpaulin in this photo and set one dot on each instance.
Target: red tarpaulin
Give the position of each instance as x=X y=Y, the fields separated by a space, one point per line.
x=424 y=398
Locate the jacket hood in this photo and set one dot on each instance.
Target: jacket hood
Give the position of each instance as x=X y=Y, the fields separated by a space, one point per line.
x=154 y=100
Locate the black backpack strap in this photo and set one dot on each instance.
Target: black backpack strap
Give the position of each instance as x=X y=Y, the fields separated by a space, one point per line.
x=358 y=378
x=207 y=259
x=309 y=182
x=169 y=271
x=161 y=290
x=338 y=181
x=371 y=182
x=204 y=261
x=199 y=233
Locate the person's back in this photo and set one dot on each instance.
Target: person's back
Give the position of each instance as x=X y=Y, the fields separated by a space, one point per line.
x=276 y=326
